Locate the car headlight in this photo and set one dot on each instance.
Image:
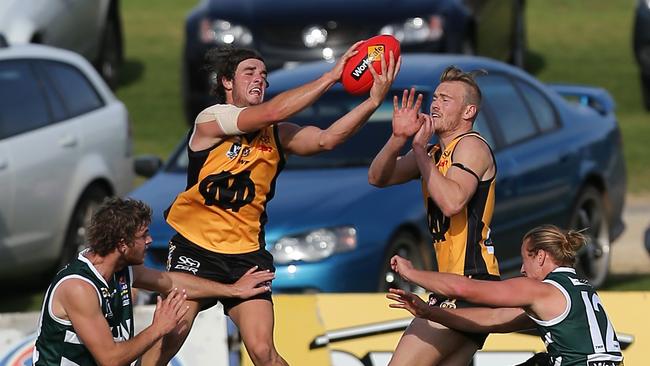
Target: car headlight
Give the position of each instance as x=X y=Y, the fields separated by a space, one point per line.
x=223 y=32
x=314 y=245
x=415 y=30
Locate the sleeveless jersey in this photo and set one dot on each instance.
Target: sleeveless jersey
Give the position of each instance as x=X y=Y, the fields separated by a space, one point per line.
x=57 y=343
x=223 y=208
x=583 y=334
x=462 y=242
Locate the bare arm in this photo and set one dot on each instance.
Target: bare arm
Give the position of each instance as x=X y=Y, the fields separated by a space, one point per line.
x=77 y=301
x=388 y=168
x=250 y=284
x=310 y=140
x=483 y=320
x=452 y=192
x=281 y=107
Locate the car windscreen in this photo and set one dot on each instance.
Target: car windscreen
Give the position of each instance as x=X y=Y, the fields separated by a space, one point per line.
x=358 y=150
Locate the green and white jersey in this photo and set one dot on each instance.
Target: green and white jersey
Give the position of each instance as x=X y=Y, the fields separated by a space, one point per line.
x=582 y=334
x=57 y=343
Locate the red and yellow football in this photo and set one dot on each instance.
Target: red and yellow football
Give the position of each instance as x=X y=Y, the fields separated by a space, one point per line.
x=356 y=78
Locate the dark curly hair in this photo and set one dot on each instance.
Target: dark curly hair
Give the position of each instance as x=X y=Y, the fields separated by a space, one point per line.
x=223 y=62
x=115 y=220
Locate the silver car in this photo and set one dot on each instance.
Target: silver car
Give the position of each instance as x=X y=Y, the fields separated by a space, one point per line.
x=65 y=145
x=91 y=28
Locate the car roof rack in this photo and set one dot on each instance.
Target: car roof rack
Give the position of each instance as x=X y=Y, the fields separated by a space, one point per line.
x=3 y=41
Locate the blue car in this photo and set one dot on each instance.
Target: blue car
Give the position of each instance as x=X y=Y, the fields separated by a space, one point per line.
x=559 y=157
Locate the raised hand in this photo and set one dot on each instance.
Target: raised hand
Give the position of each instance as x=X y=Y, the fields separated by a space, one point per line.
x=169 y=311
x=408 y=301
x=337 y=70
x=406 y=119
x=253 y=283
x=382 y=82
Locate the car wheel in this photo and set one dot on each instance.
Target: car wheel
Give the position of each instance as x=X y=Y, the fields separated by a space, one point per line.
x=110 y=53
x=408 y=246
x=645 y=90
x=518 y=52
x=589 y=214
x=75 y=239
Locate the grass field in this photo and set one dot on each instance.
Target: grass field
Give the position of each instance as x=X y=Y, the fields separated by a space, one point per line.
x=578 y=41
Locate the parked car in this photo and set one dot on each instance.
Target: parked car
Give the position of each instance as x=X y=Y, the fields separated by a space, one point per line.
x=642 y=47
x=92 y=28
x=64 y=146
x=559 y=162
x=286 y=32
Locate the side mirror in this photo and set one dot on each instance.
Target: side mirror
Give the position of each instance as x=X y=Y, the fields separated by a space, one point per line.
x=147 y=165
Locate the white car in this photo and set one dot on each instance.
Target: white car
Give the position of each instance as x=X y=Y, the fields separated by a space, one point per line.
x=65 y=145
x=91 y=28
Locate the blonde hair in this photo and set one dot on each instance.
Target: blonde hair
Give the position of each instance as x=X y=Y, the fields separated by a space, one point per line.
x=561 y=245
x=473 y=92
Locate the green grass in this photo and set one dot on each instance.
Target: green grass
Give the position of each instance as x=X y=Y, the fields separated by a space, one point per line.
x=578 y=41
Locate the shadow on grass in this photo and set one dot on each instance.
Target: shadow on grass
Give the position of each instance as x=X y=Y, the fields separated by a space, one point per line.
x=132 y=71
x=535 y=62
x=627 y=282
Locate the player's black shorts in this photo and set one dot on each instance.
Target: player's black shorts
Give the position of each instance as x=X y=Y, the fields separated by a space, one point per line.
x=185 y=256
x=444 y=302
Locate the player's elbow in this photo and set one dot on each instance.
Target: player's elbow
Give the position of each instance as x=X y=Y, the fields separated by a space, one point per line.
x=375 y=180
x=450 y=209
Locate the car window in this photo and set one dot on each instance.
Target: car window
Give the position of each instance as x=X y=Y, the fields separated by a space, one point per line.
x=481 y=126
x=508 y=108
x=79 y=96
x=53 y=96
x=22 y=103
x=541 y=108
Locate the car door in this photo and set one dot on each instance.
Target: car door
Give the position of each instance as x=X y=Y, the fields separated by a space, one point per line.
x=40 y=154
x=534 y=177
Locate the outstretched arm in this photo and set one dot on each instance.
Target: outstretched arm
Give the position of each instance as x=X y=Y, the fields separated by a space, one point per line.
x=250 y=284
x=77 y=301
x=310 y=140
x=479 y=320
x=278 y=109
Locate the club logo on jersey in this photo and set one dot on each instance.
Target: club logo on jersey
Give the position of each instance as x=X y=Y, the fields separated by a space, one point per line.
x=228 y=191
x=245 y=152
x=234 y=150
x=188 y=264
x=448 y=304
x=374 y=54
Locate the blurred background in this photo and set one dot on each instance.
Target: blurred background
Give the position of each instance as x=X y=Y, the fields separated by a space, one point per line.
x=582 y=41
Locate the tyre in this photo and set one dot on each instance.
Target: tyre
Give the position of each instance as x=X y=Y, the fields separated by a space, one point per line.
x=518 y=52
x=75 y=239
x=589 y=214
x=406 y=245
x=110 y=53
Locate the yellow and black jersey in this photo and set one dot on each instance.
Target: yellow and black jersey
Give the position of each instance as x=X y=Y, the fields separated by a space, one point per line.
x=223 y=208
x=462 y=242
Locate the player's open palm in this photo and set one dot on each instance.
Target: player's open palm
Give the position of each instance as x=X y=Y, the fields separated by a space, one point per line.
x=406 y=121
x=253 y=283
x=169 y=311
x=383 y=80
x=408 y=301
